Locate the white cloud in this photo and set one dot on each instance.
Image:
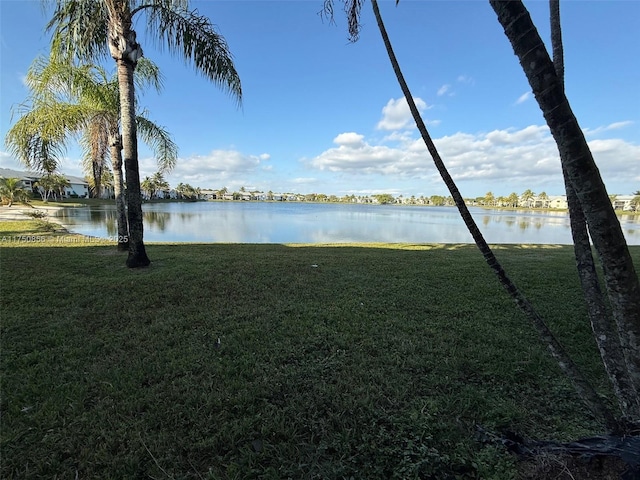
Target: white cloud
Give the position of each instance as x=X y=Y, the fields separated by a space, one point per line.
x=466 y=79
x=399 y=136
x=5 y=156
x=304 y=180
x=523 y=98
x=533 y=134
x=607 y=128
x=356 y=158
x=218 y=168
x=349 y=139
x=500 y=157
x=444 y=89
x=396 y=114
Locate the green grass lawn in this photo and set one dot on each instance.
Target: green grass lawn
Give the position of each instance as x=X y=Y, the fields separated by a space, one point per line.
x=359 y=361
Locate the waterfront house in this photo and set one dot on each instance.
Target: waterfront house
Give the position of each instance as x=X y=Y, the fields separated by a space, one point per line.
x=558 y=202
x=78 y=187
x=623 y=202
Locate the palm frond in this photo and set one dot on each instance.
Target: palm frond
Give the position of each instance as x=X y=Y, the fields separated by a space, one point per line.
x=147 y=74
x=39 y=154
x=50 y=80
x=194 y=37
x=352 y=9
x=95 y=143
x=79 y=29
x=38 y=139
x=159 y=140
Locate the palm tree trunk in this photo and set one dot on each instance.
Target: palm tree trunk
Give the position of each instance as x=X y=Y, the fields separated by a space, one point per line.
x=118 y=191
x=602 y=325
x=137 y=253
x=97 y=177
x=621 y=280
x=582 y=386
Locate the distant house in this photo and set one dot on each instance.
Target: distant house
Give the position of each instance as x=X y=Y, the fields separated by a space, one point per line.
x=622 y=202
x=168 y=193
x=207 y=194
x=538 y=203
x=558 y=201
x=28 y=179
x=78 y=187
x=260 y=196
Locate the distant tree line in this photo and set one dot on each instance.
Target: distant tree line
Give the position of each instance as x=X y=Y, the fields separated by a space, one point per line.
x=156 y=187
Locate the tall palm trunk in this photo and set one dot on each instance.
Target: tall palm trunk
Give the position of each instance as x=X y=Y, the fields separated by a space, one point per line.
x=118 y=191
x=603 y=326
x=582 y=386
x=126 y=51
x=137 y=252
x=621 y=280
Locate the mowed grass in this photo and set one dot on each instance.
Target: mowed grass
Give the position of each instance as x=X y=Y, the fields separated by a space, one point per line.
x=359 y=361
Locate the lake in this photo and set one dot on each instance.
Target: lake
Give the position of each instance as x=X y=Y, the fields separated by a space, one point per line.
x=287 y=222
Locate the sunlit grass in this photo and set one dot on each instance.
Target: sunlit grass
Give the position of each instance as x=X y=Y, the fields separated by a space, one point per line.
x=364 y=361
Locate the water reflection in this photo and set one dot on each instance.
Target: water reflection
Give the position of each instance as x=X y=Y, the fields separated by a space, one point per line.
x=235 y=222
x=156 y=220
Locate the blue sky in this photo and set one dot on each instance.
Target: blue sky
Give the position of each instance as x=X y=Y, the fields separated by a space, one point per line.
x=323 y=115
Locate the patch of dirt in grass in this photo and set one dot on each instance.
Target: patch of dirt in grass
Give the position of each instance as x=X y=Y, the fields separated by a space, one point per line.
x=566 y=467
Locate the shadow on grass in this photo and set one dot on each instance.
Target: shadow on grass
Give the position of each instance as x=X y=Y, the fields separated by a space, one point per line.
x=281 y=361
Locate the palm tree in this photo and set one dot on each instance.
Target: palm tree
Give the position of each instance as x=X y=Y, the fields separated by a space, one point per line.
x=621 y=280
x=159 y=184
x=581 y=384
x=489 y=199
x=106 y=183
x=602 y=324
x=60 y=183
x=88 y=29
x=527 y=196
x=11 y=189
x=542 y=196
x=190 y=192
x=148 y=186
x=181 y=190
x=45 y=186
x=67 y=99
x=186 y=191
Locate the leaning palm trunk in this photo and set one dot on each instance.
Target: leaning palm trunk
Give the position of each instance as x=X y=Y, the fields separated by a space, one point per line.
x=621 y=280
x=118 y=191
x=603 y=326
x=582 y=386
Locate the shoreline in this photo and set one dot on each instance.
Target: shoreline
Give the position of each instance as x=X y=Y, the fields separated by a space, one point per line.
x=20 y=213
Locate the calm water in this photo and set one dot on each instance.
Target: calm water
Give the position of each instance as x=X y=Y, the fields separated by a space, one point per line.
x=255 y=222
